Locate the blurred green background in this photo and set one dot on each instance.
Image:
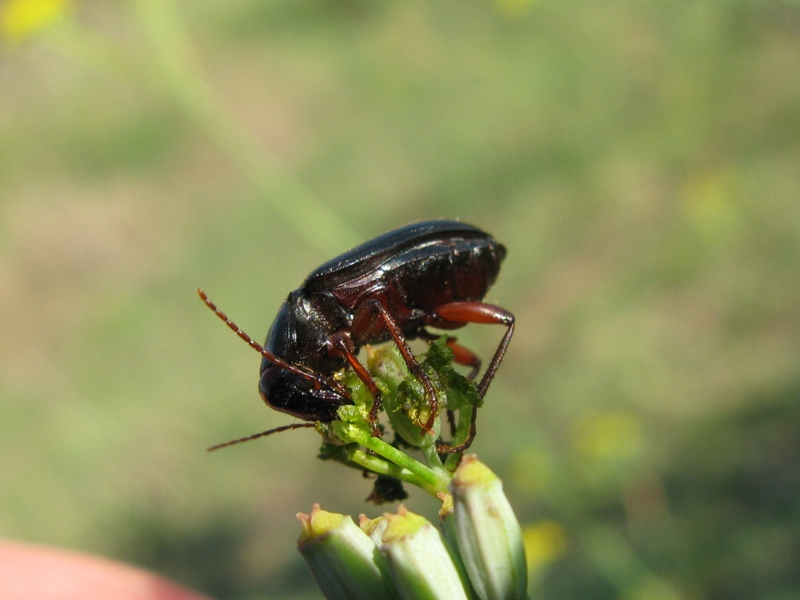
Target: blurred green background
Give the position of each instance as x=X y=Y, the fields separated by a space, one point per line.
x=640 y=160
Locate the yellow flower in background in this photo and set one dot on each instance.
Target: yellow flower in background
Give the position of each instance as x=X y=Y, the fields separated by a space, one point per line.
x=608 y=436
x=20 y=19
x=544 y=541
x=710 y=201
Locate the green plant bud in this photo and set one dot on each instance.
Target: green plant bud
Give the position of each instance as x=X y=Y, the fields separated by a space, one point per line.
x=406 y=404
x=386 y=363
x=420 y=565
x=488 y=535
x=343 y=559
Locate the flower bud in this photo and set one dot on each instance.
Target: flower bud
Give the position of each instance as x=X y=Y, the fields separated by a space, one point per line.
x=343 y=559
x=488 y=535
x=407 y=404
x=419 y=561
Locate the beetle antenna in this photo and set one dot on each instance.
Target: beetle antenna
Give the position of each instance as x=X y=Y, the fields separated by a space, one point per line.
x=252 y=343
x=255 y=436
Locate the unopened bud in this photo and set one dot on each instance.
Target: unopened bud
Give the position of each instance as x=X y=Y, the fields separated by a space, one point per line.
x=343 y=559
x=488 y=534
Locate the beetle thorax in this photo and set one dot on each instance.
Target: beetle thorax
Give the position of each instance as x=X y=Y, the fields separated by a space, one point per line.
x=300 y=332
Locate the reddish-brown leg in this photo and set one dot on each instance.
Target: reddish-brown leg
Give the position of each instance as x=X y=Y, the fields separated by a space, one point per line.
x=365 y=321
x=455 y=314
x=343 y=345
x=462 y=356
x=465 y=356
x=460 y=313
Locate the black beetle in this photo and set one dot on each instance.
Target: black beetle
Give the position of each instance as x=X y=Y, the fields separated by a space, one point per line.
x=433 y=273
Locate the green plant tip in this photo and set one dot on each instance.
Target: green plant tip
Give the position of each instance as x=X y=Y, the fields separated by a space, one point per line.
x=318 y=523
x=403 y=524
x=472 y=472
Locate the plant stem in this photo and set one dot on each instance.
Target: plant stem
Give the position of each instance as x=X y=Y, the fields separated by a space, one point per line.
x=433 y=480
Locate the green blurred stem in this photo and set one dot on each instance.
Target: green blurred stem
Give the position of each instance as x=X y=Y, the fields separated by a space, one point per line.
x=381 y=466
x=432 y=480
x=173 y=71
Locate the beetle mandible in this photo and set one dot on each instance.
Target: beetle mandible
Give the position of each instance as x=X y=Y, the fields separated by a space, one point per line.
x=391 y=288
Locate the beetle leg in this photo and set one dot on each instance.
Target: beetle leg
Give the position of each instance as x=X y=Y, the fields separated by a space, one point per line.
x=343 y=345
x=362 y=322
x=477 y=312
x=461 y=354
x=465 y=356
x=459 y=313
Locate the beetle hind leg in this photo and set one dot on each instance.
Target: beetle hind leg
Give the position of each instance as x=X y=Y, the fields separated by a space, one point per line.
x=456 y=314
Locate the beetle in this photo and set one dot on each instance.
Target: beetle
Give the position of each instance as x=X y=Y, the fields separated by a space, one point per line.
x=391 y=288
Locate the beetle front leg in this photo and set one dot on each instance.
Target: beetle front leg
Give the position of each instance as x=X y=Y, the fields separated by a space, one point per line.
x=343 y=345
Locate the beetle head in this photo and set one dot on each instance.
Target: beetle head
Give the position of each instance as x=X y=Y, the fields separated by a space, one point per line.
x=311 y=399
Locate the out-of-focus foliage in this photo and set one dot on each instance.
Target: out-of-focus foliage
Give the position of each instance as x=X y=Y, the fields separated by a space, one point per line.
x=639 y=160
